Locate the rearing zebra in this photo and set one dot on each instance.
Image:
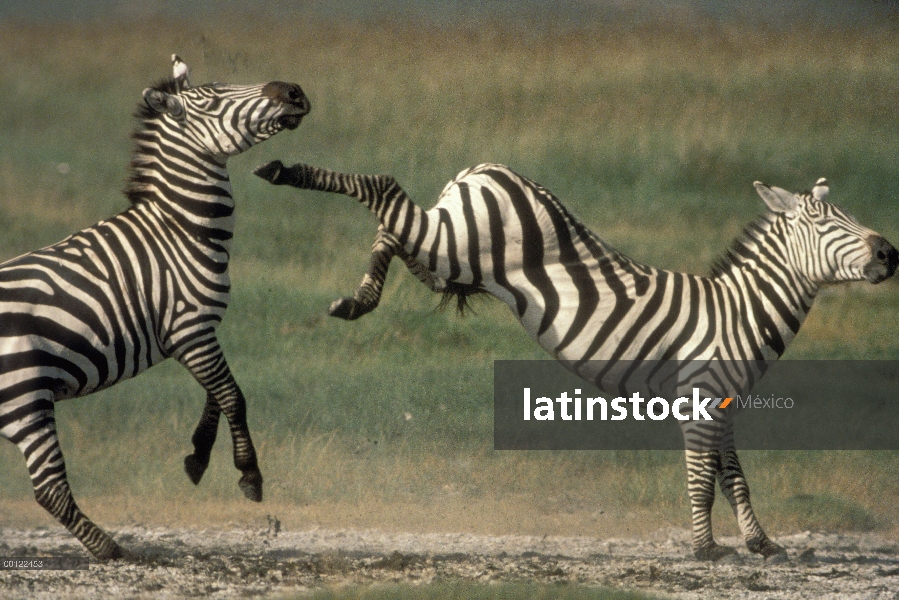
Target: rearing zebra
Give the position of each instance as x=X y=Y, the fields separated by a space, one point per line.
x=494 y=231
x=150 y=283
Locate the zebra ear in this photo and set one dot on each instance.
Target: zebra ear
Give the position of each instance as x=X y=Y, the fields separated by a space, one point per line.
x=777 y=199
x=164 y=103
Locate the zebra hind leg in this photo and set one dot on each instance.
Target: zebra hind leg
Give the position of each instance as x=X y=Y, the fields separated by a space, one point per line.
x=203 y=440
x=736 y=490
x=367 y=296
x=378 y=193
x=39 y=445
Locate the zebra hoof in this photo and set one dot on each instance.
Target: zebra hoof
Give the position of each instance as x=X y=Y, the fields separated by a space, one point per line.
x=251 y=484
x=714 y=553
x=344 y=308
x=269 y=171
x=773 y=553
x=195 y=467
x=111 y=551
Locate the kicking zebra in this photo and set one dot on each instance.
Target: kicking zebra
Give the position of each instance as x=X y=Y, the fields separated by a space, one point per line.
x=496 y=232
x=150 y=283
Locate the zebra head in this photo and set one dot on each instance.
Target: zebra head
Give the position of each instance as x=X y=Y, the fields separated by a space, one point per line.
x=825 y=242
x=222 y=119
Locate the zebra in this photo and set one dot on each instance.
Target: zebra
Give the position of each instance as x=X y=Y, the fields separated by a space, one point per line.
x=112 y=300
x=494 y=231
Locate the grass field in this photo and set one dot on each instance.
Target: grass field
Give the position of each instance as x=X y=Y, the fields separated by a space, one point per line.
x=653 y=137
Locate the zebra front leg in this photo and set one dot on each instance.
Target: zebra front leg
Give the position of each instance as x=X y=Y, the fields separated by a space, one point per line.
x=39 y=445
x=207 y=364
x=702 y=469
x=736 y=490
x=203 y=440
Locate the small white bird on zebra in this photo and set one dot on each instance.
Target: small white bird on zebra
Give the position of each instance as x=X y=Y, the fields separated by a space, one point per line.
x=109 y=302
x=496 y=232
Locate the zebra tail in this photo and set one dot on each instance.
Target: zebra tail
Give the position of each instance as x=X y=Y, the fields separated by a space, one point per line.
x=461 y=293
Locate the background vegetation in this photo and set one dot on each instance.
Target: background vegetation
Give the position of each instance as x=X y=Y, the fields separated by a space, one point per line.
x=652 y=134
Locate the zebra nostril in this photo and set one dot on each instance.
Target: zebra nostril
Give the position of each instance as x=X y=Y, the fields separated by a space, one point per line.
x=290 y=93
x=881 y=255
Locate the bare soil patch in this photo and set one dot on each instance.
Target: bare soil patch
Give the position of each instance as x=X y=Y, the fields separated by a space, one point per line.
x=184 y=562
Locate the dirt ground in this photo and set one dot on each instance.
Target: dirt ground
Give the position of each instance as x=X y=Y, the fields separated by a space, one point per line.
x=271 y=561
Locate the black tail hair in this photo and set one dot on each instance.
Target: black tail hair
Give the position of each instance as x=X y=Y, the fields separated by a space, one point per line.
x=461 y=292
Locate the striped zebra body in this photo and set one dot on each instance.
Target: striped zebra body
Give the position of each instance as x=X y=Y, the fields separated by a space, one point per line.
x=496 y=232
x=109 y=302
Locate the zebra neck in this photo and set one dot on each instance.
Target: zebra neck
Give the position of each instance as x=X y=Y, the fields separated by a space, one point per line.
x=773 y=296
x=187 y=190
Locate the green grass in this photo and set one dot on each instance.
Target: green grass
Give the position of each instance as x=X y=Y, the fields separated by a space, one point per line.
x=651 y=135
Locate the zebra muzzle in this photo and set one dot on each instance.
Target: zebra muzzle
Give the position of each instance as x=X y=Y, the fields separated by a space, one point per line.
x=292 y=95
x=884 y=259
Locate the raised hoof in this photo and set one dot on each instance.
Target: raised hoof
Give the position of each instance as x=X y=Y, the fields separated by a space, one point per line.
x=345 y=308
x=194 y=467
x=714 y=553
x=269 y=171
x=778 y=558
x=251 y=484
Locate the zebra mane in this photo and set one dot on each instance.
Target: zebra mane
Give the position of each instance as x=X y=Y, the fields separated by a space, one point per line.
x=143 y=114
x=748 y=239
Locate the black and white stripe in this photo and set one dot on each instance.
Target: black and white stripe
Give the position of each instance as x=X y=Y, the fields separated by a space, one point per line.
x=496 y=232
x=150 y=283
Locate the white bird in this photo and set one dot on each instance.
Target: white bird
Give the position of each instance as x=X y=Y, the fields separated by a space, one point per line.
x=180 y=72
x=820 y=190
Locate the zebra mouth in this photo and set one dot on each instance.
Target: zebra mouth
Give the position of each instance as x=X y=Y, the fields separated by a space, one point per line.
x=290 y=121
x=877 y=272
